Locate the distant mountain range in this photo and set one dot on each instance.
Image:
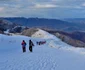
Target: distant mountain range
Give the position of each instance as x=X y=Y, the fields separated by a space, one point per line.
x=76 y=20
x=62 y=25
x=71 y=31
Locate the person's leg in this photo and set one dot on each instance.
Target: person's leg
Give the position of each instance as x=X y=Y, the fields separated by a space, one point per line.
x=23 y=49
x=31 y=48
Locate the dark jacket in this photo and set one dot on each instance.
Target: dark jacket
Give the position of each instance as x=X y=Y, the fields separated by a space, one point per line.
x=31 y=43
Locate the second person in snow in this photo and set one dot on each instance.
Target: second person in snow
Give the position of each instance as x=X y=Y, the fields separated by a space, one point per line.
x=30 y=45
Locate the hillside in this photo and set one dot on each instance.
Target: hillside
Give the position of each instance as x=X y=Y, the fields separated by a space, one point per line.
x=76 y=39
x=5 y=24
x=54 y=55
x=75 y=35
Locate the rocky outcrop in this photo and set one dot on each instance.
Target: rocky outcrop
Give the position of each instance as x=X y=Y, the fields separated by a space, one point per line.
x=17 y=29
x=69 y=40
x=29 y=32
x=1 y=32
x=4 y=25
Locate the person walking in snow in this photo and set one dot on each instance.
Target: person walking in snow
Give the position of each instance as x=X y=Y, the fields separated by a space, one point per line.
x=23 y=46
x=30 y=45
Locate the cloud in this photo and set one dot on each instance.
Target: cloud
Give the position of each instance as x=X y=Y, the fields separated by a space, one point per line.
x=45 y=6
x=1 y=9
x=83 y=4
x=42 y=8
x=4 y=0
x=72 y=7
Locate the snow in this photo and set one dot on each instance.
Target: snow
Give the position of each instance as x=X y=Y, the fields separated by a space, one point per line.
x=54 y=55
x=7 y=31
x=43 y=34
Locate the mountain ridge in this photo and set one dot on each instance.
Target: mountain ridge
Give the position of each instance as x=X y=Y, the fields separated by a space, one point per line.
x=56 y=24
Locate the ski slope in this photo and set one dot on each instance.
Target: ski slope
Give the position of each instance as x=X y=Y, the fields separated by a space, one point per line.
x=54 y=55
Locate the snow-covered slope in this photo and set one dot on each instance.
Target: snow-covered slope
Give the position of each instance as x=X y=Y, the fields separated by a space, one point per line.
x=54 y=55
x=55 y=42
x=43 y=34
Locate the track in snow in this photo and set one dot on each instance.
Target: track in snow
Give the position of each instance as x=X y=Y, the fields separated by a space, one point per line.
x=40 y=59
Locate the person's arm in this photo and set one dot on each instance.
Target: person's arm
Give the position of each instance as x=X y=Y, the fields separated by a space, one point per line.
x=32 y=44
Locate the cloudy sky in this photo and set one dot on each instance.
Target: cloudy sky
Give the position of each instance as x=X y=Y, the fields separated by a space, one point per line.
x=43 y=8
